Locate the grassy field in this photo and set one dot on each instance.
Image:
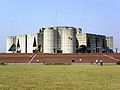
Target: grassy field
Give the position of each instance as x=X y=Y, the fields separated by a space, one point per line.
x=59 y=77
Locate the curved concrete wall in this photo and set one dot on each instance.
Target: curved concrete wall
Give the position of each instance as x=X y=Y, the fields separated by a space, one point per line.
x=49 y=40
x=69 y=40
x=63 y=39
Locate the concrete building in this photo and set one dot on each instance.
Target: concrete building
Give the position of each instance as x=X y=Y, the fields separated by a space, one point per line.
x=109 y=40
x=21 y=43
x=59 y=39
x=11 y=44
x=93 y=43
x=29 y=43
x=34 y=42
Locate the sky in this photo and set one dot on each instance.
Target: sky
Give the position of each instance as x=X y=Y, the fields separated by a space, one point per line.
x=28 y=16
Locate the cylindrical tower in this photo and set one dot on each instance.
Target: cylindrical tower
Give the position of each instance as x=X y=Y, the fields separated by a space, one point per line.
x=78 y=30
x=49 y=41
x=69 y=40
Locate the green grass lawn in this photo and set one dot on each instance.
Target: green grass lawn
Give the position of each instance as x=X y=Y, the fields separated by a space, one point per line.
x=59 y=77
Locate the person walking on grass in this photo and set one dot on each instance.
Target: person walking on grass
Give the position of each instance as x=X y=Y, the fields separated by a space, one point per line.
x=101 y=62
x=97 y=61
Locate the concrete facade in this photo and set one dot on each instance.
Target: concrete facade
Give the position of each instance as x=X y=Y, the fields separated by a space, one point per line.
x=10 y=41
x=68 y=40
x=109 y=40
x=32 y=42
x=49 y=40
x=25 y=43
x=59 y=39
x=21 y=43
x=94 y=43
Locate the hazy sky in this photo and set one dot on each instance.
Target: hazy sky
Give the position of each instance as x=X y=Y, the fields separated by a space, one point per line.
x=27 y=16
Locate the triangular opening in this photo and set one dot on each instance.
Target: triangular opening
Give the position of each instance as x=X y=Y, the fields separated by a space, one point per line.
x=34 y=42
x=12 y=48
x=18 y=44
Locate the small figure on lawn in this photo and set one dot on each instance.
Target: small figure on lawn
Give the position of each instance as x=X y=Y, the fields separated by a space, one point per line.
x=101 y=62
x=91 y=63
x=97 y=61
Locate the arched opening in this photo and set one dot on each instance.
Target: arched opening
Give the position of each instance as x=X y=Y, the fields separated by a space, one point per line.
x=83 y=49
x=73 y=61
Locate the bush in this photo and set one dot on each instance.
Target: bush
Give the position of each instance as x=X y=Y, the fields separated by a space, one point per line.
x=61 y=63
x=3 y=63
x=118 y=62
x=57 y=63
